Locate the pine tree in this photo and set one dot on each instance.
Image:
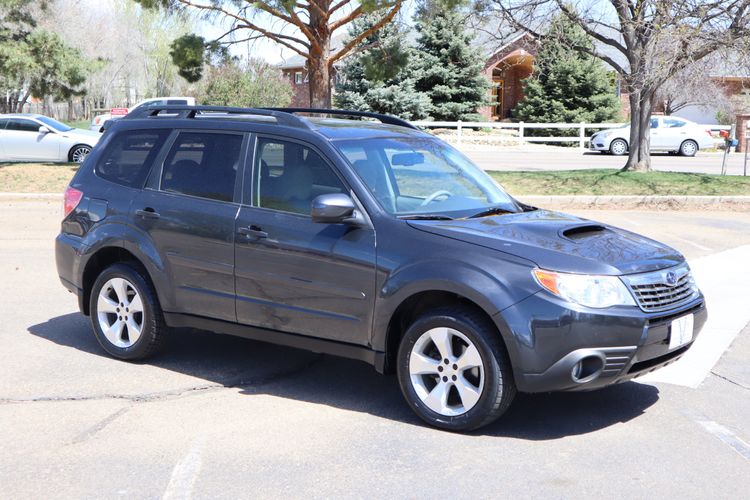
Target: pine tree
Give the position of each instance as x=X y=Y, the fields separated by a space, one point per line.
x=377 y=77
x=449 y=68
x=567 y=85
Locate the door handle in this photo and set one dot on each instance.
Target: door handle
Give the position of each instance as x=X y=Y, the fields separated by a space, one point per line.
x=147 y=213
x=253 y=231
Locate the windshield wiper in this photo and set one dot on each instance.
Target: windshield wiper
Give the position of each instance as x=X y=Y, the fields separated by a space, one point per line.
x=490 y=211
x=425 y=217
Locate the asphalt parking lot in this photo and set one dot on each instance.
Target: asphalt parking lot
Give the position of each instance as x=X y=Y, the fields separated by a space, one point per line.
x=220 y=417
x=537 y=158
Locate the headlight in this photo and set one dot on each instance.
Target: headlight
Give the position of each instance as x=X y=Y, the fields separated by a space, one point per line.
x=584 y=289
x=604 y=133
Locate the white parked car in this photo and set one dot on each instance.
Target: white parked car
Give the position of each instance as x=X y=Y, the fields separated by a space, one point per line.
x=97 y=124
x=668 y=133
x=27 y=137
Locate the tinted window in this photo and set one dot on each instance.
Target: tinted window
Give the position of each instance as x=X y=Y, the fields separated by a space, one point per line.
x=291 y=176
x=203 y=164
x=673 y=123
x=54 y=124
x=3 y=123
x=127 y=159
x=21 y=125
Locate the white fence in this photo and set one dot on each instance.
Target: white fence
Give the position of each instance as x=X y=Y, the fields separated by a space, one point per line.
x=520 y=128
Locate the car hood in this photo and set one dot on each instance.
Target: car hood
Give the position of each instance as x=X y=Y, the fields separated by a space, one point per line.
x=560 y=242
x=85 y=136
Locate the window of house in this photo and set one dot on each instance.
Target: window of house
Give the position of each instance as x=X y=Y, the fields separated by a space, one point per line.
x=128 y=158
x=298 y=78
x=290 y=176
x=203 y=164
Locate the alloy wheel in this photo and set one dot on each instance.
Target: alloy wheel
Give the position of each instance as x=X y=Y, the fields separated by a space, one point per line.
x=618 y=147
x=120 y=312
x=80 y=153
x=446 y=371
x=688 y=148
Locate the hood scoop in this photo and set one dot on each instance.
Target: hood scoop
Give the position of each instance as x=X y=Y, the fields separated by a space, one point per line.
x=577 y=233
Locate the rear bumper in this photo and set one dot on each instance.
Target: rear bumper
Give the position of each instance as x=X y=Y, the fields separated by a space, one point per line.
x=68 y=257
x=611 y=346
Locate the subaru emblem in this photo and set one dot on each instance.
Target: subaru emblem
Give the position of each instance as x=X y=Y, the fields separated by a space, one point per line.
x=671 y=278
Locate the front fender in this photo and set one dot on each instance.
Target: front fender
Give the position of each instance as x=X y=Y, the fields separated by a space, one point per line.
x=492 y=287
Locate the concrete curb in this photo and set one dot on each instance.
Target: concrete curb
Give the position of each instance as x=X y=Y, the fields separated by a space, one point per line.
x=741 y=203
x=641 y=202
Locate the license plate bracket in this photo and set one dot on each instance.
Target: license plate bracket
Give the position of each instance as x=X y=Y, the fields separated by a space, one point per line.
x=681 y=331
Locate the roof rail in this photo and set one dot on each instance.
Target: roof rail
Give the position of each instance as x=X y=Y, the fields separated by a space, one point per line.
x=184 y=111
x=388 y=119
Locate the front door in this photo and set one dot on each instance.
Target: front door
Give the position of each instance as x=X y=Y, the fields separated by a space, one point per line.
x=23 y=141
x=293 y=274
x=189 y=213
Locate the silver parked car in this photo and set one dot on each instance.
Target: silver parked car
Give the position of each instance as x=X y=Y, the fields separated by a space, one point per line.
x=28 y=137
x=668 y=134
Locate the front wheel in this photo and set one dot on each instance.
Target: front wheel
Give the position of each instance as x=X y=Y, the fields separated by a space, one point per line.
x=453 y=370
x=618 y=147
x=125 y=313
x=78 y=153
x=689 y=148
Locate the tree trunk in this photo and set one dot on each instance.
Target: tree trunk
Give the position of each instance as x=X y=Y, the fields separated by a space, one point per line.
x=639 y=146
x=318 y=71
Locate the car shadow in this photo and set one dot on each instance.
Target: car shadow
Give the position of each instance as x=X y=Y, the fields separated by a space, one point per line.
x=354 y=386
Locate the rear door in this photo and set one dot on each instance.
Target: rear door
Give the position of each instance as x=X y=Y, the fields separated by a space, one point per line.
x=23 y=141
x=293 y=274
x=188 y=208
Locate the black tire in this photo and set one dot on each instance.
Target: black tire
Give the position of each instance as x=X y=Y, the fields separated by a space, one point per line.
x=618 y=147
x=499 y=388
x=688 y=148
x=78 y=153
x=154 y=331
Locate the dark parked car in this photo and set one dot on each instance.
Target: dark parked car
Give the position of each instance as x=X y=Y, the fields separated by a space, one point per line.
x=369 y=240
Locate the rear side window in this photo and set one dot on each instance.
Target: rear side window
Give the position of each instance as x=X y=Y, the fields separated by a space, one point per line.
x=128 y=158
x=203 y=164
x=674 y=123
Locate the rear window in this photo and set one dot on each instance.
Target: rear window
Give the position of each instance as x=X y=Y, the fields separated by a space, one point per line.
x=203 y=164
x=128 y=158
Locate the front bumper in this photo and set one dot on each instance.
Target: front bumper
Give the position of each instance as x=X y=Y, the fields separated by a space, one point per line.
x=599 y=144
x=547 y=339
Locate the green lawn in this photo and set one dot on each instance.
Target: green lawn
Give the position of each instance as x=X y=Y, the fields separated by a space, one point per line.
x=614 y=182
x=84 y=124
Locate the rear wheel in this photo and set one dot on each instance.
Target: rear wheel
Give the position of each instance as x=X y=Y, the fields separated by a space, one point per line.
x=454 y=371
x=618 y=147
x=125 y=313
x=689 y=148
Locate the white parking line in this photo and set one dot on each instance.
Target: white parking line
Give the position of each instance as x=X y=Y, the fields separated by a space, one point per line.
x=727 y=436
x=185 y=472
x=723 y=278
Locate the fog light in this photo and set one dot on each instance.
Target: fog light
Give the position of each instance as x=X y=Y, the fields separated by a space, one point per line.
x=587 y=369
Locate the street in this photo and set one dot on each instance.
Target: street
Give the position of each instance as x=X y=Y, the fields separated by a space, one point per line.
x=557 y=158
x=223 y=417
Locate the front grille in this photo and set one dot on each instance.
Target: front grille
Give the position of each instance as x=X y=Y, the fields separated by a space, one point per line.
x=654 y=291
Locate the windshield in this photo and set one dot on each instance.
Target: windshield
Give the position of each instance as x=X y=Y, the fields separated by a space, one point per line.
x=423 y=176
x=60 y=127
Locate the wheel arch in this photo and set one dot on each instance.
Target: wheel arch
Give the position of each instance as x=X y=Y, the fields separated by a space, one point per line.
x=77 y=145
x=416 y=304
x=99 y=261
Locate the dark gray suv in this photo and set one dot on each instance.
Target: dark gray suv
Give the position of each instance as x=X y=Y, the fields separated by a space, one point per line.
x=365 y=239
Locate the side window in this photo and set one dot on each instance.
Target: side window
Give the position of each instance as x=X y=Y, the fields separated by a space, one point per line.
x=654 y=123
x=3 y=123
x=21 y=125
x=289 y=176
x=128 y=157
x=674 y=123
x=203 y=164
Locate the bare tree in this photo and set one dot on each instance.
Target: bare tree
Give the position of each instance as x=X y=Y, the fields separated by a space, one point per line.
x=305 y=27
x=645 y=41
x=692 y=86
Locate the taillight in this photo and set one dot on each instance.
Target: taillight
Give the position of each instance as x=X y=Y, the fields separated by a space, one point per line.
x=71 y=200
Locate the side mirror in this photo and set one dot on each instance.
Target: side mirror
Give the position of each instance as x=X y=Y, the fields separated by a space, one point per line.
x=335 y=208
x=44 y=130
